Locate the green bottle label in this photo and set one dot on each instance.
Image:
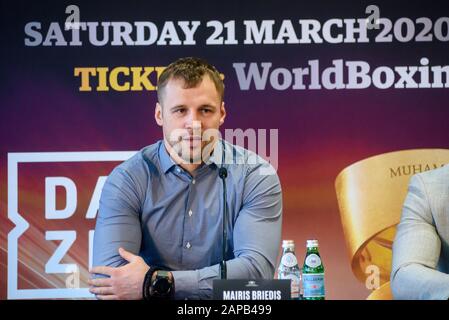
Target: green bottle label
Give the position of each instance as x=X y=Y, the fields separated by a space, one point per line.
x=313 y=260
x=313 y=285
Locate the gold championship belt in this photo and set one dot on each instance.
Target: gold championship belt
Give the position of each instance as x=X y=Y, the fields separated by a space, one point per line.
x=370 y=196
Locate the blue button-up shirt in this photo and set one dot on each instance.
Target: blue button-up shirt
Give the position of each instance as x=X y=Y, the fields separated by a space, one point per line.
x=152 y=207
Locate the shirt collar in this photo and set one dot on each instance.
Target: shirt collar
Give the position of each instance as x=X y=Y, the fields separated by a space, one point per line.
x=217 y=154
x=166 y=161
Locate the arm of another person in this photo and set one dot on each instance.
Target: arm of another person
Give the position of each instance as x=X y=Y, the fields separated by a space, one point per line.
x=257 y=236
x=416 y=250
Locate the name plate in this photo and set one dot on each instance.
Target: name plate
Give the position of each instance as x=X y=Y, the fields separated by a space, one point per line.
x=251 y=289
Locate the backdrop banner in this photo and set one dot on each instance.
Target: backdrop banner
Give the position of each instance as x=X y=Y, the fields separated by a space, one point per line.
x=311 y=86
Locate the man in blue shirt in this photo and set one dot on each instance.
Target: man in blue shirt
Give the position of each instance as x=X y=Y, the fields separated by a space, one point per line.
x=163 y=208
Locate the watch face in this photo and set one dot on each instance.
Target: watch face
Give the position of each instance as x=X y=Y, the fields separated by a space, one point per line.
x=162 y=286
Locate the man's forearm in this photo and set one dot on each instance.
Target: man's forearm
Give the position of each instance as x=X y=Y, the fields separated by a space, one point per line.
x=415 y=281
x=197 y=284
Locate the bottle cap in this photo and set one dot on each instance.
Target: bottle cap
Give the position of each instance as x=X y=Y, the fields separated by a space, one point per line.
x=288 y=244
x=312 y=243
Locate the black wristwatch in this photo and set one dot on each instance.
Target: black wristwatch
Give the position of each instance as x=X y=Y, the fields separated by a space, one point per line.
x=162 y=285
x=158 y=284
x=147 y=282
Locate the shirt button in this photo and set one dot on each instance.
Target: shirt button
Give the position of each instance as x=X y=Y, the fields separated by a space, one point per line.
x=188 y=245
x=190 y=213
x=178 y=170
x=193 y=181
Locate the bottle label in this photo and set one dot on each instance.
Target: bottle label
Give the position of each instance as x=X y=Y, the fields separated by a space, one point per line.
x=289 y=260
x=313 y=260
x=295 y=283
x=313 y=285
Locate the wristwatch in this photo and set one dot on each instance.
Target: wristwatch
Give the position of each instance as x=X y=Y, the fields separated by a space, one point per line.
x=147 y=282
x=162 y=285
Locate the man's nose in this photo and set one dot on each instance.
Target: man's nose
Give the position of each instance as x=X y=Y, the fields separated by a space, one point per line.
x=193 y=122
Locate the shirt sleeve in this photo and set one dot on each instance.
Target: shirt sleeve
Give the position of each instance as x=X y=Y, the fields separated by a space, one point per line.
x=416 y=250
x=118 y=221
x=256 y=236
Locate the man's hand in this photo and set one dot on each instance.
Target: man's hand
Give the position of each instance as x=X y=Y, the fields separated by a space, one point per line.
x=124 y=283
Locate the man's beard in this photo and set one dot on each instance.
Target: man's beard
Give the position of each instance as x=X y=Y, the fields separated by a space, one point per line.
x=189 y=151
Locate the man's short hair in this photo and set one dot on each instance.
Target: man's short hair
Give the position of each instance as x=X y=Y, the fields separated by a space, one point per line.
x=191 y=70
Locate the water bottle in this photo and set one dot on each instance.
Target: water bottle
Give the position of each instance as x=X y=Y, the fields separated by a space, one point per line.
x=313 y=273
x=289 y=269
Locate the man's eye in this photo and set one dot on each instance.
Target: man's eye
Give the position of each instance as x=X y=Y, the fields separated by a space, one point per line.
x=180 y=111
x=206 y=111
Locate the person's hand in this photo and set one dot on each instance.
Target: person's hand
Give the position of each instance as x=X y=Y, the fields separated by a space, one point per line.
x=124 y=283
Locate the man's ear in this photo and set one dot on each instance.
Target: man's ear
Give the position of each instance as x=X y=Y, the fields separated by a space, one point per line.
x=158 y=114
x=222 y=113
